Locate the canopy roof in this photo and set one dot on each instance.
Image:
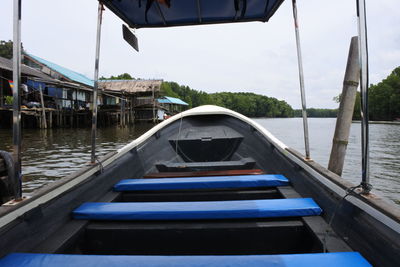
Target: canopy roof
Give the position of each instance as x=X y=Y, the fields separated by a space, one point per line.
x=167 y=13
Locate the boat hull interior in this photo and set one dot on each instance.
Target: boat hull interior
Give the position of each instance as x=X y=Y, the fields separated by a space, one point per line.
x=201 y=143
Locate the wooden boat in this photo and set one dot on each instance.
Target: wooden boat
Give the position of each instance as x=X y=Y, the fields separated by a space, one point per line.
x=235 y=210
x=208 y=186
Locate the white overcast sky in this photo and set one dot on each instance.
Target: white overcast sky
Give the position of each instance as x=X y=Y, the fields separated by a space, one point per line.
x=246 y=57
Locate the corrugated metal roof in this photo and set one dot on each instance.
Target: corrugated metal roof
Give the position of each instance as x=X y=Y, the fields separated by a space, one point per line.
x=131 y=86
x=172 y=100
x=67 y=73
x=7 y=64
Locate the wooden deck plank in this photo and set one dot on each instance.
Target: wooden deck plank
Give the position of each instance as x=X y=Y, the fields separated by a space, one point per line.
x=322 y=231
x=204 y=173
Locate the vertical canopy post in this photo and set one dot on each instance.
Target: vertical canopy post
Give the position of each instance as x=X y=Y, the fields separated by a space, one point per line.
x=96 y=81
x=364 y=80
x=301 y=78
x=16 y=96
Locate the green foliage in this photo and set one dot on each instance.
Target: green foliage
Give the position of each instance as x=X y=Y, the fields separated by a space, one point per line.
x=124 y=76
x=357 y=107
x=383 y=99
x=253 y=105
x=167 y=90
x=6 y=49
x=249 y=104
x=8 y=100
x=317 y=113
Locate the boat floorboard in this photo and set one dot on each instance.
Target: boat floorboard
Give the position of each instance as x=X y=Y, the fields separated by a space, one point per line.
x=65 y=238
x=198 y=237
x=257 y=236
x=323 y=233
x=203 y=173
x=199 y=195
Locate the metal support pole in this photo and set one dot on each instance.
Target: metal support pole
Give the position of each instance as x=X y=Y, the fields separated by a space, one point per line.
x=364 y=80
x=96 y=80
x=301 y=78
x=16 y=95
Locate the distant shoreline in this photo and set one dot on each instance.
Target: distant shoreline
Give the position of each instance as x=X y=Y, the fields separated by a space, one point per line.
x=381 y=122
x=354 y=121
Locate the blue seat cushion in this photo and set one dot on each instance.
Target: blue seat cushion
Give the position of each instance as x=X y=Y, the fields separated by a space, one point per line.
x=215 y=182
x=237 y=209
x=352 y=259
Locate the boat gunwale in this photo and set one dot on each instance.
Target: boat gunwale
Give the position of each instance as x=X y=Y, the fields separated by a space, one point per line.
x=387 y=214
x=379 y=203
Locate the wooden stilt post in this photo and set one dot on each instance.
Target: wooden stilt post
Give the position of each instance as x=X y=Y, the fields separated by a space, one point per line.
x=2 y=86
x=154 y=107
x=51 y=119
x=44 y=122
x=71 y=118
x=346 y=108
x=59 y=118
x=39 y=120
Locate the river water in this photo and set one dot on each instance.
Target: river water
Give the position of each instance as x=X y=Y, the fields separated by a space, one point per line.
x=384 y=149
x=51 y=154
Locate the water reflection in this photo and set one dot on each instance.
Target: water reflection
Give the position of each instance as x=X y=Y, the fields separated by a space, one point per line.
x=50 y=154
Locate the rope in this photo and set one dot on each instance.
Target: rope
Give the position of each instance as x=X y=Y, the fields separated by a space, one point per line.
x=349 y=191
x=179 y=134
x=100 y=164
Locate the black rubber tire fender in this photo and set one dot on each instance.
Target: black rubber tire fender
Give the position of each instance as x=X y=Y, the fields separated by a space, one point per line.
x=12 y=186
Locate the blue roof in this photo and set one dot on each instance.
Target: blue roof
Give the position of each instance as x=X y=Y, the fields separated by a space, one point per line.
x=172 y=100
x=70 y=74
x=183 y=12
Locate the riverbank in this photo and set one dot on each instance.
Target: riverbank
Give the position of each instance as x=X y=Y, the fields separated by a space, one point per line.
x=381 y=122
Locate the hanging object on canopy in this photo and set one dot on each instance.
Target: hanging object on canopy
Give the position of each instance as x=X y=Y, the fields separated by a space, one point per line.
x=130 y=37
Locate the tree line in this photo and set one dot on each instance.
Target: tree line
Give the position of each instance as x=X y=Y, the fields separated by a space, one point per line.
x=248 y=104
x=317 y=113
x=383 y=99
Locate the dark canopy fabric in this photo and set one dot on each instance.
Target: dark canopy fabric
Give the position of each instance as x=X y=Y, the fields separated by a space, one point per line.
x=168 y=13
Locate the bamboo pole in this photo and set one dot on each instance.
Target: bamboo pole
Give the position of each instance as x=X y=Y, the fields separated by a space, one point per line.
x=346 y=108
